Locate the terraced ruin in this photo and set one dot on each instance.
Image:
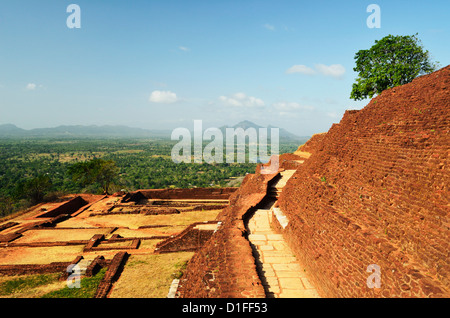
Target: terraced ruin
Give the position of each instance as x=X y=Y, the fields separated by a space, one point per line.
x=111 y=232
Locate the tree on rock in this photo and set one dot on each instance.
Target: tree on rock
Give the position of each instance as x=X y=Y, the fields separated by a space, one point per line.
x=100 y=171
x=390 y=62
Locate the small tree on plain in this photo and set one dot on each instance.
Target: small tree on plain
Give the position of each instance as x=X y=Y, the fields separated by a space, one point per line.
x=100 y=171
x=33 y=189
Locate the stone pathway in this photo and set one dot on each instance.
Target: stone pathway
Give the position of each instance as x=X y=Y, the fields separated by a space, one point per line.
x=280 y=272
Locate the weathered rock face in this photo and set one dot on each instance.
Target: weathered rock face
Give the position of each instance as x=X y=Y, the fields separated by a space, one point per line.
x=375 y=191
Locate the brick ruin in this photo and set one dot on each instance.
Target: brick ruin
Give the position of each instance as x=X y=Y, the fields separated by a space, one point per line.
x=23 y=230
x=373 y=190
x=190 y=239
x=181 y=194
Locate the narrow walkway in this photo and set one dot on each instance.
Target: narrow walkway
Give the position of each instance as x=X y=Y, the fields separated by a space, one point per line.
x=280 y=272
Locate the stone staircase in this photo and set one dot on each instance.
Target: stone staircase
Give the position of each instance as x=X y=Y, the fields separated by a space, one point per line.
x=279 y=270
x=281 y=274
x=275 y=189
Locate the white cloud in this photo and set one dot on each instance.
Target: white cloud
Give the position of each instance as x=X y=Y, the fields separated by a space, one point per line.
x=269 y=27
x=303 y=69
x=335 y=70
x=31 y=87
x=163 y=97
x=290 y=106
x=241 y=100
x=183 y=48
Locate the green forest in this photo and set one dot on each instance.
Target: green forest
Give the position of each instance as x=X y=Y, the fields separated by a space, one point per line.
x=35 y=170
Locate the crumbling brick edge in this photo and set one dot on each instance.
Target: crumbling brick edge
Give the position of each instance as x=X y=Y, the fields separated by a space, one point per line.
x=112 y=274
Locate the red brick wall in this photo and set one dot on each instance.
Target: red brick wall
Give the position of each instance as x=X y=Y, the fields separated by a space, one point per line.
x=313 y=143
x=375 y=191
x=190 y=239
x=29 y=269
x=113 y=272
x=194 y=193
x=68 y=207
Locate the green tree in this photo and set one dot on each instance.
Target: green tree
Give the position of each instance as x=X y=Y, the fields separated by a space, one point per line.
x=6 y=206
x=390 y=62
x=99 y=171
x=34 y=189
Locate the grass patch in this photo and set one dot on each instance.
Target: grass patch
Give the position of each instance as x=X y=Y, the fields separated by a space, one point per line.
x=179 y=269
x=87 y=290
x=150 y=276
x=26 y=283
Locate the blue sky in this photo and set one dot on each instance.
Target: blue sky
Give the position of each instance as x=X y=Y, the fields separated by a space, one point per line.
x=162 y=64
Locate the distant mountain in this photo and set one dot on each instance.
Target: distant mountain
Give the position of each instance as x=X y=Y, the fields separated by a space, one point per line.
x=283 y=133
x=247 y=124
x=11 y=131
x=108 y=131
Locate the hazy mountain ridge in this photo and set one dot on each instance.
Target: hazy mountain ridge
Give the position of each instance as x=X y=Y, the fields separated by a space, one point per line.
x=283 y=133
x=117 y=131
x=10 y=130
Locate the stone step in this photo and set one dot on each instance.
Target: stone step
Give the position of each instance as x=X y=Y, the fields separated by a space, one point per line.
x=279 y=270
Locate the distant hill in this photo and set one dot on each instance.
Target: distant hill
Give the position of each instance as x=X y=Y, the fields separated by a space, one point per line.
x=107 y=131
x=11 y=130
x=283 y=133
